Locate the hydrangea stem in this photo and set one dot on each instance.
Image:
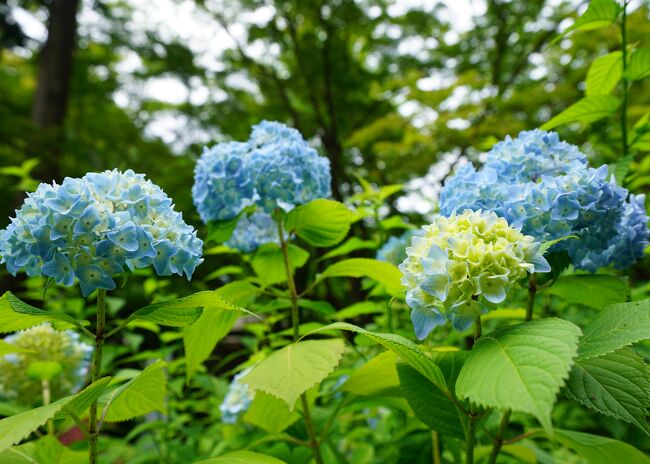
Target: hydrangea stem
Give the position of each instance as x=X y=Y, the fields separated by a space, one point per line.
x=624 y=81
x=470 y=442
x=47 y=398
x=295 y=323
x=93 y=432
x=532 y=292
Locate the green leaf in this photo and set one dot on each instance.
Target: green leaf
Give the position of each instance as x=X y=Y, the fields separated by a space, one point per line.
x=600 y=13
x=15 y=428
x=406 y=349
x=44 y=370
x=589 y=109
x=81 y=401
x=381 y=271
x=17 y=315
x=141 y=395
x=593 y=290
x=639 y=66
x=268 y=262
x=429 y=404
x=620 y=169
x=242 y=457
x=600 y=450
x=548 y=244
x=523 y=453
x=395 y=222
x=23 y=454
x=221 y=231
x=294 y=369
x=615 y=384
x=377 y=377
x=360 y=309
x=521 y=367
x=604 y=73
x=350 y=245
x=49 y=450
x=269 y=413
x=321 y=223
x=615 y=327
x=180 y=312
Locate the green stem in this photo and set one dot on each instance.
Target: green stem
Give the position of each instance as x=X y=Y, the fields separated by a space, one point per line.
x=498 y=440
x=471 y=439
x=435 y=447
x=295 y=323
x=532 y=291
x=478 y=330
x=47 y=398
x=624 y=81
x=93 y=431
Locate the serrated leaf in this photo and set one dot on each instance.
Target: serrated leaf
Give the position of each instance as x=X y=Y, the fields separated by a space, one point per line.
x=350 y=245
x=589 y=109
x=381 y=271
x=141 y=395
x=521 y=367
x=321 y=223
x=180 y=312
x=17 y=315
x=429 y=404
x=406 y=349
x=600 y=13
x=215 y=322
x=615 y=384
x=604 y=73
x=294 y=369
x=377 y=377
x=600 y=450
x=81 y=401
x=268 y=262
x=593 y=290
x=15 y=428
x=615 y=327
x=242 y=457
x=270 y=413
x=639 y=65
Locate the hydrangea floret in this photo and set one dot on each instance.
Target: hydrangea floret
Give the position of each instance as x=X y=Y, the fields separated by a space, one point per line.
x=43 y=344
x=275 y=168
x=253 y=231
x=394 y=250
x=545 y=186
x=458 y=265
x=237 y=400
x=97 y=227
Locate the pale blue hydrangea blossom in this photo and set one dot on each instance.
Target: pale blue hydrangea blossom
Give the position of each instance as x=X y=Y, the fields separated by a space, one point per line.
x=96 y=227
x=275 y=168
x=237 y=400
x=546 y=187
x=394 y=250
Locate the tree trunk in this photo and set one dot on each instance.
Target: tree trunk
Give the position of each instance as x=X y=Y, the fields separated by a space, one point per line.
x=54 y=75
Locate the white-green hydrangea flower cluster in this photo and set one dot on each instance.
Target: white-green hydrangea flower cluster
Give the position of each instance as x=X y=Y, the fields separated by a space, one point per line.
x=456 y=264
x=43 y=344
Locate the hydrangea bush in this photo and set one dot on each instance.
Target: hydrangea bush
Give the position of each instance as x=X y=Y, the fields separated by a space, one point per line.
x=97 y=227
x=545 y=187
x=458 y=263
x=43 y=344
x=237 y=400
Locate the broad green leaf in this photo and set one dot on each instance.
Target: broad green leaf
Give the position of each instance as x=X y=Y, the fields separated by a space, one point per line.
x=44 y=370
x=321 y=223
x=521 y=367
x=15 y=428
x=377 y=377
x=639 y=66
x=17 y=315
x=359 y=309
x=395 y=222
x=7 y=348
x=620 y=169
x=270 y=413
x=604 y=73
x=49 y=450
x=381 y=271
x=523 y=453
x=600 y=450
x=23 y=454
x=615 y=327
x=589 y=109
x=215 y=322
x=616 y=384
x=600 y=13
x=221 y=231
x=294 y=369
x=429 y=404
x=141 y=395
x=81 y=401
x=406 y=349
x=180 y=312
x=268 y=262
x=350 y=245
x=242 y=457
x=388 y=190
x=593 y=290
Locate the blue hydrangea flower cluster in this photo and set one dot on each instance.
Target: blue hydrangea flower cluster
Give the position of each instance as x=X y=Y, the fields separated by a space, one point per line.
x=95 y=227
x=253 y=231
x=276 y=167
x=394 y=250
x=43 y=343
x=237 y=400
x=545 y=187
